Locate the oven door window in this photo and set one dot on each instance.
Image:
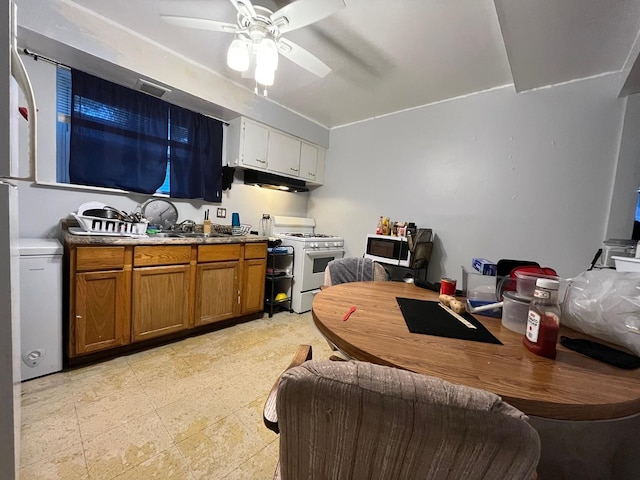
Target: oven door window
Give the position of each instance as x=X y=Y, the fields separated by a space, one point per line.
x=320 y=263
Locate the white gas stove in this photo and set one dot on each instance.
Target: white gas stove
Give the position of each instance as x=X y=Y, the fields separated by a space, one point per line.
x=312 y=252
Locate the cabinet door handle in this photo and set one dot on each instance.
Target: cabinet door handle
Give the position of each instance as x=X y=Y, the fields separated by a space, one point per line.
x=260 y=161
x=293 y=169
x=78 y=317
x=311 y=174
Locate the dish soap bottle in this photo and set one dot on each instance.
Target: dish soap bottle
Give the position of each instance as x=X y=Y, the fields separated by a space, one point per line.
x=543 y=320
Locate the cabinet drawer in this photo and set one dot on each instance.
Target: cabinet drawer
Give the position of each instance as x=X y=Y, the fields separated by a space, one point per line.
x=162 y=255
x=99 y=258
x=255 y=250
x=217 y=253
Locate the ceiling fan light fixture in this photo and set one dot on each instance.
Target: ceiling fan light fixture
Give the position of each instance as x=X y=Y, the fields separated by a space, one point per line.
x=267 y=54
x=258 y=42
x=265 y=75
x=238 y=55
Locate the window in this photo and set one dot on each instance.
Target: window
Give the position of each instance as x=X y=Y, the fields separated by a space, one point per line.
x=112 y=136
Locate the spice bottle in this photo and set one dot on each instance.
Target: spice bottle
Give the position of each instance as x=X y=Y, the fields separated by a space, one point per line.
x=380 y=223
x=543 y=319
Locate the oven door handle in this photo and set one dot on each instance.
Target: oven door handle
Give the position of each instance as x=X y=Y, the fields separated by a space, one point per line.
x=324 y=253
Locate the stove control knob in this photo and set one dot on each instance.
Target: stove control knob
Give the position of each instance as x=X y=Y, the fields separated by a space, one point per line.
x=336 y=244
x=326 y=244
x=313 y=245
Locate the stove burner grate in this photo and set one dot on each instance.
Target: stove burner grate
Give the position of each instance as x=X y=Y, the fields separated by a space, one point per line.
x=308 y=235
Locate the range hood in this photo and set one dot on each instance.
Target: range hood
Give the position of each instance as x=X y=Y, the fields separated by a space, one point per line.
x=275 y=182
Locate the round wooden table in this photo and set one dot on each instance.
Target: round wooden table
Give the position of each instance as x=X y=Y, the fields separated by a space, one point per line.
x=571 y=387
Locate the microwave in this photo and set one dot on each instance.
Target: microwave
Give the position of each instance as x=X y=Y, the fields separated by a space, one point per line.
x=388 y=249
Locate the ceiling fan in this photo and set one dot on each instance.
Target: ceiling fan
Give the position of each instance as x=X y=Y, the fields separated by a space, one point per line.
x=258 y=35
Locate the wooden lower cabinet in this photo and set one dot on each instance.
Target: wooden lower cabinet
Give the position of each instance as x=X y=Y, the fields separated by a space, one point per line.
x=126 y=294
x=254 y=268
x=101 y=311
x=160 y=301
x=253 y=285
x=217 y=292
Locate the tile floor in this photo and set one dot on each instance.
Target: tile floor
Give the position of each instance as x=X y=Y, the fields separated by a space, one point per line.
x=188 y=410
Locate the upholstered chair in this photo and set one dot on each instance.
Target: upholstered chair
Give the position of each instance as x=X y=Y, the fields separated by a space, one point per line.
x=356 y=420
x=353 y=269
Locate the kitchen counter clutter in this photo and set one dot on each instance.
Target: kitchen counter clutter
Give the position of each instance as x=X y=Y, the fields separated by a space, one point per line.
x=169 y=238
x=127 y=293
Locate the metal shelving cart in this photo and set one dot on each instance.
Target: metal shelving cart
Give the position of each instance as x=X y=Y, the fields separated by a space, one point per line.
x=279 y=279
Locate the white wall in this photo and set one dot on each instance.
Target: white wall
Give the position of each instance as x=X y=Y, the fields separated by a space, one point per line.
x=495 y=174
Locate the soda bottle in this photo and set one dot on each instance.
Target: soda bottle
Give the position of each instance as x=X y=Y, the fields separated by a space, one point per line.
x=543 y=319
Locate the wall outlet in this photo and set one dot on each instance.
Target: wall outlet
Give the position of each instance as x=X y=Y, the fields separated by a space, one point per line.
x=221 y=213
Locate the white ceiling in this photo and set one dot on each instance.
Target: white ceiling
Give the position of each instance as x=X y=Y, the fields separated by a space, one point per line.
x=390 y=55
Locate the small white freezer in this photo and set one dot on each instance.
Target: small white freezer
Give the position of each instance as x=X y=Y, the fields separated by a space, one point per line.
x=40 y=306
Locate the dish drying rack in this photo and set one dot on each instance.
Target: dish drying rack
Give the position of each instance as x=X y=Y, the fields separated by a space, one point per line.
x=98 y=226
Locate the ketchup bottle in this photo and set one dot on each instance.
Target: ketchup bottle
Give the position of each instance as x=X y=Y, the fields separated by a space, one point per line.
x=543 y=320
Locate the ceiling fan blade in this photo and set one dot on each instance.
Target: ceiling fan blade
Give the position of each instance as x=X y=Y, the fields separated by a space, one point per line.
x=201 y=23
x=244 y=7
x=304 y=12
x=300 y=56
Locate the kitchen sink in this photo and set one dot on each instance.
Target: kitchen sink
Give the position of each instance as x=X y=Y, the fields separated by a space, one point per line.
x=199 y=234
x=165 y=235
x=186 y=235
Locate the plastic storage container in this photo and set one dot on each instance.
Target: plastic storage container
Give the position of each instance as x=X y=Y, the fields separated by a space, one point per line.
x=480 y=290
x=526 y=282
x=617 y=247
x=514 y=312
x=476 y=285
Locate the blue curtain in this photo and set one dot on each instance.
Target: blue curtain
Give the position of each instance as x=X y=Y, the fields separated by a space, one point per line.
x=119 y=137
x=196 y=155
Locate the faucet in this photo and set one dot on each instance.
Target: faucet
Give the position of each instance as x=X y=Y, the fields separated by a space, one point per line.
x=186 y=226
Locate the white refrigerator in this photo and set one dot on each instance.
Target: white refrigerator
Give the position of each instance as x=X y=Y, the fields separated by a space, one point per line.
x=14 y=78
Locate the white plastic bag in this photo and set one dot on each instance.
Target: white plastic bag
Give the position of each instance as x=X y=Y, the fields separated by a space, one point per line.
x=605 y=304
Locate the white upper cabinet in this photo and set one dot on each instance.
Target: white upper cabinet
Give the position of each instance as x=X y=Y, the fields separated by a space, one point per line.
x=308 y=161
x=284 y=154
x=256 y=146
x=247 y=144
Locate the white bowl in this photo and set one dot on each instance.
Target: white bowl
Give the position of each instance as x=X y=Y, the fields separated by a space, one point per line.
x=627 y=264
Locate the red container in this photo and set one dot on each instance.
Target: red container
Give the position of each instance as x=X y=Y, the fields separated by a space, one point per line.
x=447 y=286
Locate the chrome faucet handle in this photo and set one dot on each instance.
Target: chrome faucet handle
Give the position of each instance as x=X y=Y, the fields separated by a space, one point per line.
x=186 y=226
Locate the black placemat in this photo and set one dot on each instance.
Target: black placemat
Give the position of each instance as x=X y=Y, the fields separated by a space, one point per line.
x=422 y=316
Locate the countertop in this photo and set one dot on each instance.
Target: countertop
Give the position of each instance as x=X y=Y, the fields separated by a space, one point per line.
x=70 y=239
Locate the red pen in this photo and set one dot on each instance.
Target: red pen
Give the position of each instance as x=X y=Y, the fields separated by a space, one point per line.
x=348 y=314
